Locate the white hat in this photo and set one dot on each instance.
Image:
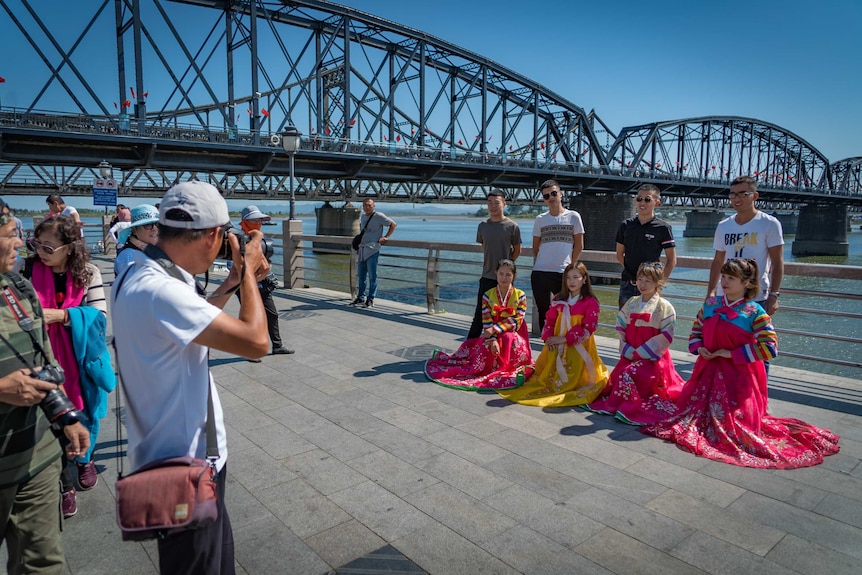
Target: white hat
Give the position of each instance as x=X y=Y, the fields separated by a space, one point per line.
x=253 y=213
x=141 y=215
x=193 y=206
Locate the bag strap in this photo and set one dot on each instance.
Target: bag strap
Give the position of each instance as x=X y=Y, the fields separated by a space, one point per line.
x=368 y=221
x=212 y=451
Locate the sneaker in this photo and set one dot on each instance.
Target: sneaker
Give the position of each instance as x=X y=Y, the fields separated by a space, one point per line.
x=357 y=301
x=88 y=476
x=70 y=504
x=258 y=360
x=369 y=302
x=281 y=350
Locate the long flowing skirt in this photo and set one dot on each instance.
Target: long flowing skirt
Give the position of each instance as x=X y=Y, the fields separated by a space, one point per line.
x=641 y=391
x=568 y=375
x=474 y=368
x=722 y=413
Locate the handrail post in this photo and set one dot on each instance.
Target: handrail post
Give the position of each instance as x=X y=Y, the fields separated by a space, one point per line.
x=293 y=260
x=351 y=271
x=432 y=281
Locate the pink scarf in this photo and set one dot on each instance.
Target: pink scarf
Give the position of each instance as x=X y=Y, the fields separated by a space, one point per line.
x=61 y=339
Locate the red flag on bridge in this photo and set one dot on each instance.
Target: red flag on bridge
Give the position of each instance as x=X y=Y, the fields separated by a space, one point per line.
x=264 y=112
x=132 y=90
x=126 y=103
x=2 y=79
x=398 y=138
x=353 y=122
x=115 y=106
x=145 y=94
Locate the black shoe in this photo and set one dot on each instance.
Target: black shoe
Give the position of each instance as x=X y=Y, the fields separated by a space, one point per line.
x=281 y=350
x=357 y=301
x=369 y=302
x=253 y=360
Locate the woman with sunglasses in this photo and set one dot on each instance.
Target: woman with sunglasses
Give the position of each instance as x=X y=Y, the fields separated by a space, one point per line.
x=143 y=231
x=73 y=302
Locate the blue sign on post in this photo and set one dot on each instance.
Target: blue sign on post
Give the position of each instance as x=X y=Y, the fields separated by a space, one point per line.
x=104 y=192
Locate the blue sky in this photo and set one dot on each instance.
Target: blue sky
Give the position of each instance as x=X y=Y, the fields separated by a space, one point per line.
x=794 y=63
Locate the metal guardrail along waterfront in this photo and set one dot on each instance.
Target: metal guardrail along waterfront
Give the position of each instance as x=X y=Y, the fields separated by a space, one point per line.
x=813 y=325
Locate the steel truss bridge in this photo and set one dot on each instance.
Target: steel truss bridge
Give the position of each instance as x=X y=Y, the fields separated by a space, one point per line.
x=386 y=111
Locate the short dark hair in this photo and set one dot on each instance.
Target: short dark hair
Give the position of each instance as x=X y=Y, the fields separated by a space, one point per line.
x=497 y=193
x=752 y=183
x=652 y=188
x=54 y=198
x=549 y=184
x=180 y=234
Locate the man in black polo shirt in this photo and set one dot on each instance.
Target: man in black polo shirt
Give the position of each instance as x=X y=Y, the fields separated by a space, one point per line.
x=641 y=239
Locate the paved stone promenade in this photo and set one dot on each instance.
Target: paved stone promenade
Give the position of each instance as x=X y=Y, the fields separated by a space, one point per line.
x=344 y=451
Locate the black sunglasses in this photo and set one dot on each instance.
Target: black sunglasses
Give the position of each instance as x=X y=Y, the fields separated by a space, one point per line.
x=553 y=194
x=646 y=199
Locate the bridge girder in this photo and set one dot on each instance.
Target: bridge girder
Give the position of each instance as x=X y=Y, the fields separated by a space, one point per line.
x=386 y=109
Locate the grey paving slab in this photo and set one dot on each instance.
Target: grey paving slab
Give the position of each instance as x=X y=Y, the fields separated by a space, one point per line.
x=637 y=522
x=259 y=470
x=439 y=550
x=466 y=446
x=403 y=444
x=802 y=523
x=344 y=543
x=384 y=513
x=457 y=472
x=842 y=509
x=552 y=484
x=323 y=471
x=268 y=546
x=303 y=509
x=532 y=553
x=803 y=556
x=411 y=421
x=743 y=532
x=721 y=558
x=713 y=491
x=353 y=420
x=775 y=485
x=621 y=554
x=277 y=440
x=394 y=474
x=555 y=520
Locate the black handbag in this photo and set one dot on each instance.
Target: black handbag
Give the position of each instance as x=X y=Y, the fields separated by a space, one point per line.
x=357 y=239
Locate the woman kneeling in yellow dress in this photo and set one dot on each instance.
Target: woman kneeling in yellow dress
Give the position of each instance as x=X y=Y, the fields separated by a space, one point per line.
x=569 y=370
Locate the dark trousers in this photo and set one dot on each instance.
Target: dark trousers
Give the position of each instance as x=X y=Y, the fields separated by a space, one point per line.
x=476 y=327
x=544 y=285
x=271 y=316
x=627 y=291
x=206 y=551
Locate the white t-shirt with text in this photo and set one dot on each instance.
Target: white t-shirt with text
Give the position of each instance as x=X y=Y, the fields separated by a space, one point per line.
x=751 y=240
x=557 y=235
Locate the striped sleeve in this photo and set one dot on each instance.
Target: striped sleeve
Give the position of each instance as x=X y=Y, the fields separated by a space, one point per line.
x=765 y=346
x=695 y=338
x=96 y=291
x=486 y=312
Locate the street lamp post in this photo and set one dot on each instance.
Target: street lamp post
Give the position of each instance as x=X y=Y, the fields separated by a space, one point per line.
x=290 y=140
x=106 y=170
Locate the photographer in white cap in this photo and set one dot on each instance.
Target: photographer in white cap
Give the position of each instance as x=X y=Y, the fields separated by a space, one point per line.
x=163 y=332
x=252 y=220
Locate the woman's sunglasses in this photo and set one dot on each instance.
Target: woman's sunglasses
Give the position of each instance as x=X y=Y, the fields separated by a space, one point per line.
x=49 y=250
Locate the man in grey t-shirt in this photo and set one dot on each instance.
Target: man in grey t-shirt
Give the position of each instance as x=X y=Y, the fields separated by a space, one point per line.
x=369 y=250
x=501 y=240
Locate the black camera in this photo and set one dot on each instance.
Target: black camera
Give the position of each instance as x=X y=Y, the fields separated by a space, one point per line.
x=226 y=253
x=56 y=406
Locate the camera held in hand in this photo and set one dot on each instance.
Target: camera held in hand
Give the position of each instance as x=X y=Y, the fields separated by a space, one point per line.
x=56 y=406
x=226 y=253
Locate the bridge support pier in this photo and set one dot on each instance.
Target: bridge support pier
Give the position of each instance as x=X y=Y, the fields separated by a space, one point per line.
x=789 y=222
x=332 y=221
x=822 y=231
x=602 y=215
x=701 y=224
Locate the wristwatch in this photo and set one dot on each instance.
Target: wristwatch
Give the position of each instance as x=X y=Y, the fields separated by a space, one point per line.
x=775 y=293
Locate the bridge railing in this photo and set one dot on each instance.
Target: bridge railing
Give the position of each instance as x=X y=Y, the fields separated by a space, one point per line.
x=442 y=151
x=817 y=327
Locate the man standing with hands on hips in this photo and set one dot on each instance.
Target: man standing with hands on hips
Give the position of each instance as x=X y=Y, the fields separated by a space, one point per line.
x=163 y=354
x=558 y=240
x=371 y=225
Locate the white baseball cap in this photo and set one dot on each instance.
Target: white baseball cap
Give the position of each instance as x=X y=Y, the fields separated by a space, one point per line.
x=193 y=206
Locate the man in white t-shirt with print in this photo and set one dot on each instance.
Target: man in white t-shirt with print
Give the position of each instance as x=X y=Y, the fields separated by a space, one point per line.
x=558 y=240
x=163 y=353
x=750 y=234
